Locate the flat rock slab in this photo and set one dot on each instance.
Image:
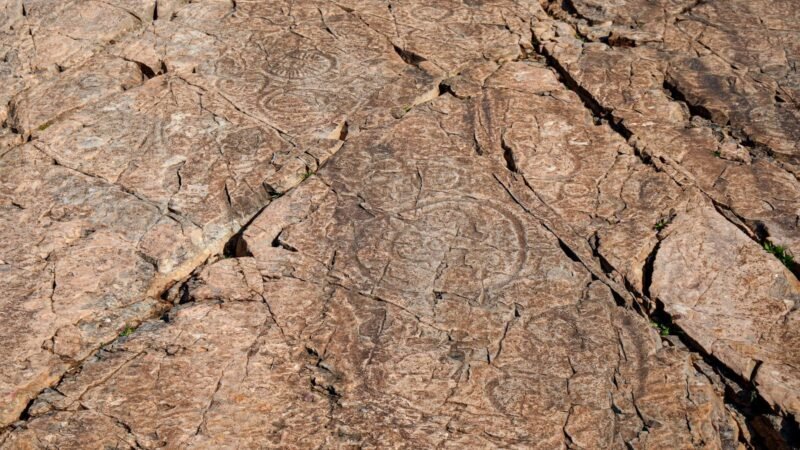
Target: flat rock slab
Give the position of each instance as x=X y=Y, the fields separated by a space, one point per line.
x=675 y=76
x=135 y=179
x=399 y=297
x=310 y=224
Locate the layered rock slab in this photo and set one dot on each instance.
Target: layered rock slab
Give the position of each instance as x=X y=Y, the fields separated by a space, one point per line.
x=746 y=317
x=136 y=176
x=399 y=297
x=198 y=113
x=668 y=82
x=634 y=85
x=247 y=101
x=734 y=62
x=594 y=188
x=204 y=111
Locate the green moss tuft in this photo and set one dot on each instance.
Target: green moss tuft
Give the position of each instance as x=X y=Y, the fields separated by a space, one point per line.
x=780 y=252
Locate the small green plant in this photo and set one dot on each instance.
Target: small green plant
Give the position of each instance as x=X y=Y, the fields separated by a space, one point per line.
x=406 y=108
x=127 y=331
x=662 y=329
x=780 y=252
x=307 y=175
x=664 y=220
x=44 y=126
x=718 y=154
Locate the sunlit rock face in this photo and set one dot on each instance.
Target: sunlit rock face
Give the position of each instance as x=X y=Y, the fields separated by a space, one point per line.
x=475 y=224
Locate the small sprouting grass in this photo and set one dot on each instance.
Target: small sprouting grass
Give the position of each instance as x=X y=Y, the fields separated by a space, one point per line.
x=127 y=331
x=663 y=330
x=661 y=224
x=307 y=175
x=780 y=252
x=717 y=154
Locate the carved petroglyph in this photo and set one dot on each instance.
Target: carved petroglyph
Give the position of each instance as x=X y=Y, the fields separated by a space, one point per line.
x=361 y=224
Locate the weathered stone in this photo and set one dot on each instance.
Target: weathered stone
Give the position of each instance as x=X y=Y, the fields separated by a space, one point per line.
x=637 y=85
x=734 y=300
x=316 y=224
x=33 y=110
x=195 y=155
x=426 y=309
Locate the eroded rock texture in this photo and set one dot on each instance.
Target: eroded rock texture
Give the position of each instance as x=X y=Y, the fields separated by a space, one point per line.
x=312 y=224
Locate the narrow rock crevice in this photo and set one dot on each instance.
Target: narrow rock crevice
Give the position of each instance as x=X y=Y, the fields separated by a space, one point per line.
x=147 y=72
x=648 y=268
x=568 y=251
x=236 y=246
x=600 y=113
x=739 y=393
x=508 y=155
x=756 y=149
x=758 y=232
x=409 y=57
x=676 y=95
x=688 y=9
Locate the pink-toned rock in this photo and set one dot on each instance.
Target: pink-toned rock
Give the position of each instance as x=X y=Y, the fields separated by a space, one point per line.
x=309 y=224
x=398 y=297
x=139 y=175
x=728 y=131
x=734 y=299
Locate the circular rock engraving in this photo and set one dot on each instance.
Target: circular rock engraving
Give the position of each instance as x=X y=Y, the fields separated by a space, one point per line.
x=300 y=64
x=229 y=66
x=298 y=102
x=439 y=176
x=526 y=395
x=245 y=85
x=576 y=190
x=307 y=102
x=508 y=395
x=243 y=141
x=557 y=165
x=90 y=82
x=395 y=186
x=461 y=246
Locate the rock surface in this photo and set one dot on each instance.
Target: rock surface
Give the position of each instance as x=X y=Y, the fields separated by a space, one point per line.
x=312 y=224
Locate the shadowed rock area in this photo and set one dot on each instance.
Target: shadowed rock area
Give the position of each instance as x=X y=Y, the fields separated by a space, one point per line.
x=451 y=224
